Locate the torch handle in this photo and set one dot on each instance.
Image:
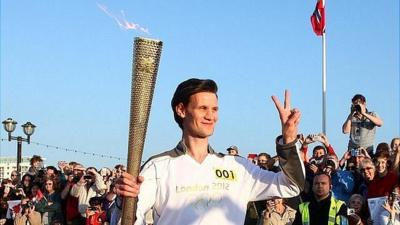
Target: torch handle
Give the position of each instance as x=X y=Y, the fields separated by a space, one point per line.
x=146 y=59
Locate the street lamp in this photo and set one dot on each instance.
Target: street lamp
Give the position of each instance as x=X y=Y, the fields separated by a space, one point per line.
x=9 y=125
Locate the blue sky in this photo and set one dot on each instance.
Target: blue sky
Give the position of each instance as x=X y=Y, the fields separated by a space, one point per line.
x=66 y=67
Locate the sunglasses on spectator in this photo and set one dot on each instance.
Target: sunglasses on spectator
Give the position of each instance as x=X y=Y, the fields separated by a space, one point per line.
x=48 y=184
x=14 y=175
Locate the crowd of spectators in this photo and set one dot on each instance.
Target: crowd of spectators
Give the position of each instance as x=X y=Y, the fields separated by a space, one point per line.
x=70 y=194
x=362 y=178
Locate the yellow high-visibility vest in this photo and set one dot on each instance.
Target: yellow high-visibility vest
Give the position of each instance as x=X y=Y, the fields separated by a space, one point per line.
x=333 y=210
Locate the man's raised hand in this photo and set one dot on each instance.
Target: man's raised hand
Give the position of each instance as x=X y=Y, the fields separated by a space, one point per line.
x=290 y=118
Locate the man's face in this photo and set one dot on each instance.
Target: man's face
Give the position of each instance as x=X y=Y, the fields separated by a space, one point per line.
x=359 y=159
x=318 y=153
x=381 y=165
x=50 y=172
x=262 y=160
x=232 y=152
x=37 y=164
x=119 y=171
x=321 y=186
x=200 y=115
x=368 y=172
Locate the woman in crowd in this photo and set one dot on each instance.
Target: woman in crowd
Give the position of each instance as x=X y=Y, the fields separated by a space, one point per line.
x=50 y=204
x=27 y=181
x=357 y=206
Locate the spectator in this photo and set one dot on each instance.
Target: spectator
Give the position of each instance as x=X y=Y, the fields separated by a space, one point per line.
x=95 y=215
x=35 y=194
x=319 y=150
x=233 y=150
x=36 y=163
x=7 y=190
x=27 y=213
x=27 y=182
x=72 y=214
x=383 y=180
x=89 y=185
x=106 y=173
x=323 y=207
x=361 y=124
x=277 y=213
x=15 y=178
x=394 y=145
x=392 y=207
x=357 y=203
x=262 y=160
x=50 y=204
x=119 y=169
x=382 y=147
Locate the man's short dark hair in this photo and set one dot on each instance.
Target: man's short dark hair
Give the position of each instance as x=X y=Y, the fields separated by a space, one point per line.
x=358 y=97
x=323 y=173
x=264 y=154
x=318 y=147
x=188 y=88
x=52 y=168
x=35 y=158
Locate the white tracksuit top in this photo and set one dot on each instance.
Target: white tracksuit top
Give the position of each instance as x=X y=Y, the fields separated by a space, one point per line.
x=182 y=191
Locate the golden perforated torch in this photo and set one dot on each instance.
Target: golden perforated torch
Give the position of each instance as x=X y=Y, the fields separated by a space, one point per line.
x=146 y=58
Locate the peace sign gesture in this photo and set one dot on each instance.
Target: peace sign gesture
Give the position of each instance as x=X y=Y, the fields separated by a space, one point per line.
x=290 y=118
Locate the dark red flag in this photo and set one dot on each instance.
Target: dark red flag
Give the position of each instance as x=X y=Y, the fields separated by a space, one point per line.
x=318 y=18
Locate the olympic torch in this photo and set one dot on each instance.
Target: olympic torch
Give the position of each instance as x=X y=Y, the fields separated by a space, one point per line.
x=146 y=59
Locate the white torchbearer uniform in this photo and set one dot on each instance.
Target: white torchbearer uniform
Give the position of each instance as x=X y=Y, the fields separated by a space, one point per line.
x=182 y=191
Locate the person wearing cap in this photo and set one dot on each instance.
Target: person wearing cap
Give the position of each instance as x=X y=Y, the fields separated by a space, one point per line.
x=233 y=150
x=193 y=184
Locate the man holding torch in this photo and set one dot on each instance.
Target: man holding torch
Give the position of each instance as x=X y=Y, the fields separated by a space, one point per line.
x=192 y=184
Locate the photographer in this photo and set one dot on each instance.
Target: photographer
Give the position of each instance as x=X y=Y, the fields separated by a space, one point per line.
x=27 y=213
x=72 y=214
x=361 y=124
x=95 y=215
x=90 y=185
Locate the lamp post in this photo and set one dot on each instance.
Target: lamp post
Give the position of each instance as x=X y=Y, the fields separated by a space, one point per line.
x=9 y=125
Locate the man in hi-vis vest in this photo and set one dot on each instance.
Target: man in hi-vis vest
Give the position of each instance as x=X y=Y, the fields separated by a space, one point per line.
x=323 y=209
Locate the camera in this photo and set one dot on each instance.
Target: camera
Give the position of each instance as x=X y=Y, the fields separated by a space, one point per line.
x=356 y=108
x=76 y=179
x=92 y=208
x=351 y=211
x=27 y=205
x=87 y=177
x=41 y=173
x=355 y=152
x=331 y=163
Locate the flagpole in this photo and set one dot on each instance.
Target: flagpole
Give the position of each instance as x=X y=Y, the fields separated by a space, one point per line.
x=324 y=79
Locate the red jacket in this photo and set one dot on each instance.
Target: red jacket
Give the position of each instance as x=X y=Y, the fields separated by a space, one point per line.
x=380 y=187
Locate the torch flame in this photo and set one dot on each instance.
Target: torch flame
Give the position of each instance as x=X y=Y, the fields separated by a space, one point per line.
x=121 y=20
